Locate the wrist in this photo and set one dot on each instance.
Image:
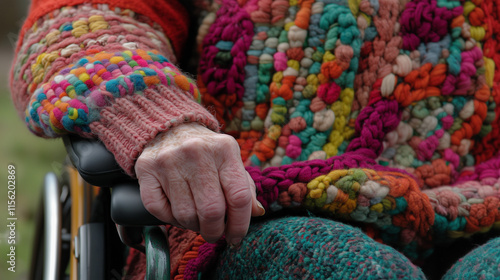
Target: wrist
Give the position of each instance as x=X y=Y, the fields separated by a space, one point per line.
x=177 y=135
x=131 y=123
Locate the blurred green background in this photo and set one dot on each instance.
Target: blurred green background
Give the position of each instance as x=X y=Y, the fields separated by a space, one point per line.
x=32 y=156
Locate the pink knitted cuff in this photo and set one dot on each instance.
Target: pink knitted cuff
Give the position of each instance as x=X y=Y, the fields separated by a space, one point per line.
x=131 y=122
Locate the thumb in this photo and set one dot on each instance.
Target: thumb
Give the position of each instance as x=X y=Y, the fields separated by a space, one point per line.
x=257 y=208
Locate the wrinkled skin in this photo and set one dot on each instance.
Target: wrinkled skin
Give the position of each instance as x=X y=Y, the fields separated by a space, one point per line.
x=194 y=178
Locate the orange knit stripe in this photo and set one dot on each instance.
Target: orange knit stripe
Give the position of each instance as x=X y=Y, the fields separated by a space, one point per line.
x=192 y=253
x=302 y=17
x=420 y=84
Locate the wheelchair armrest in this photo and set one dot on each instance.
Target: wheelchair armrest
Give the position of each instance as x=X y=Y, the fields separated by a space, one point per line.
x=93 y=161
x=98 y=167
x=127 y=208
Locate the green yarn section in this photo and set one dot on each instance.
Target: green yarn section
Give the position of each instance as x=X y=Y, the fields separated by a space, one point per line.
x=481 y=263
x=312 y=248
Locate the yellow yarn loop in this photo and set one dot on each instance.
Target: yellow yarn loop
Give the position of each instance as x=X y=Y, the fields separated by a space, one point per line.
x=489 y=74
x=40 y=67
x=328 y=56
x=477 y=33
x=288 y=25
x=293 y=64
x=80 y=28
x=342 y=109
x=72 y=93
x=97 y=22
x=84 y=77
x=52 y=37
x=316 y=193
x=274 y=132
x=312 y=79
x=73 y=114
x=313 y=184
x=116 y=59
x=277 y=77
x=354 y=6
x=330 y=149
x=377 y=207
x=468 y=7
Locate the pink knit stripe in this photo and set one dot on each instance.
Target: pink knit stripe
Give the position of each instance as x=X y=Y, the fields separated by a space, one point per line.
x=170 y=15
x=126 y=127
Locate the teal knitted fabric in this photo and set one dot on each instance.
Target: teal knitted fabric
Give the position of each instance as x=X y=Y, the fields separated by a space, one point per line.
x=483 y=263
x=312 y=248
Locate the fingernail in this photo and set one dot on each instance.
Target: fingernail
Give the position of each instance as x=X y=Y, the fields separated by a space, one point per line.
x=234 y=243
x=261 y=207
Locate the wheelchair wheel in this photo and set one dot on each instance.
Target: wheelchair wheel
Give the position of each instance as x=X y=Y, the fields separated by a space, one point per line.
x=52 y=242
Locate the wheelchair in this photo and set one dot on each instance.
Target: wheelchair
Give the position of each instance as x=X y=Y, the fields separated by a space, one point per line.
x=89 y=216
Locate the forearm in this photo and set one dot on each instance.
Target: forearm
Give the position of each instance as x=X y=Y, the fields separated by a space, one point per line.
x=105 y=71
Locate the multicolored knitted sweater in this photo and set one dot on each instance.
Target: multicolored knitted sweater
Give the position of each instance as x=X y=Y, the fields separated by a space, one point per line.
x=379 y=112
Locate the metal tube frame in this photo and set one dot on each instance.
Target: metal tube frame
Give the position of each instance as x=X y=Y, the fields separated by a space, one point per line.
x=52 y=229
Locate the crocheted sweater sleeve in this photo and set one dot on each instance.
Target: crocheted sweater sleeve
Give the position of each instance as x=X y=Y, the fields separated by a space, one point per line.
x=103 y=69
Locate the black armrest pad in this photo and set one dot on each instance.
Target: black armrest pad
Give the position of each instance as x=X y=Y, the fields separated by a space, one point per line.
x=93 y=161
x=98 y=167
x=127 y=208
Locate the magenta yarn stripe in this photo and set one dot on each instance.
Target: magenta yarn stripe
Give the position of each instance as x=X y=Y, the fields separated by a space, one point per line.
x=432 y=27
x=373 y=123
x=487 y=169
x=227 y=80
x=207 y=256
x=273 y=180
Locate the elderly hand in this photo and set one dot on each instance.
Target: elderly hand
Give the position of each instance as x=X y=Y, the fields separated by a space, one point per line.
x=193 y=177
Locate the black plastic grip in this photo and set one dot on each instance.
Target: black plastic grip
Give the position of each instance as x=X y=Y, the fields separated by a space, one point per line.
x=98 y=167
x=127 y=208
x=93 y=161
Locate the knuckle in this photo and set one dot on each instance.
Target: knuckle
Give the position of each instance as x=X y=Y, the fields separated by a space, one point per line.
x=193 y=147
x=229 y=147
x=227 y=141
x=211 y=213
x=227 y=138
x=194 y=143
x=239 y=197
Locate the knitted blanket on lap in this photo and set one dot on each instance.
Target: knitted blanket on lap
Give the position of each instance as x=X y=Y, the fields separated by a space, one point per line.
x=377 y=112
